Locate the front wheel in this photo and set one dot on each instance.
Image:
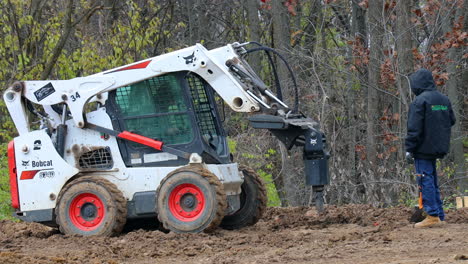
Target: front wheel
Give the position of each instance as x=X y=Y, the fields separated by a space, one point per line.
x=190 y=200
x=253 y=199
x=91 y=206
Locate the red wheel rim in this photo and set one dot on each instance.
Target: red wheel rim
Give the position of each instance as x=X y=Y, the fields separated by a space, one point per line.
x=186 y=202
x=86 y=211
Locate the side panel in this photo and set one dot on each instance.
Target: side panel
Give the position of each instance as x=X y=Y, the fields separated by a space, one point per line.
x=41 y=172
x=79 y=141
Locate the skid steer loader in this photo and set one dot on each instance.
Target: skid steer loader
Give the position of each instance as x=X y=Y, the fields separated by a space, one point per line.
x=145 y=140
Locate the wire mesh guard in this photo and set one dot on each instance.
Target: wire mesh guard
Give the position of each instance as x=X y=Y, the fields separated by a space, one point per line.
x=96 y=159
x=158 y=95
x=156 y=108
x=202 y=106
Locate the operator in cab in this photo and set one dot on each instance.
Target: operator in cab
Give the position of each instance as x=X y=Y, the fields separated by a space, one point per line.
x=430 y=119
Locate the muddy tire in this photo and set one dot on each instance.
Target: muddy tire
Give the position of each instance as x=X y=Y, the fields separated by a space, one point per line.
x=253 y=202
x=91 y=206
x=190 y=200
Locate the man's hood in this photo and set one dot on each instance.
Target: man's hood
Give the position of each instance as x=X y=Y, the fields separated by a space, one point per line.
x=422 y=81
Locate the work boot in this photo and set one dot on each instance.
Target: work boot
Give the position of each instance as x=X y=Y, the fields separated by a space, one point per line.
x=430 y=221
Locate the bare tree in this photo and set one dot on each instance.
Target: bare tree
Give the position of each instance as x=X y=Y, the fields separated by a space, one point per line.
x=376 y=10
x=251 y=8
x=455 y=85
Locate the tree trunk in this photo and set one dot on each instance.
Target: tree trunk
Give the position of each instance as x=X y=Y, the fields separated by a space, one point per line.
x=376 y=32
x=310 y=29
x=373 y=101
x=358 y=33
x=281 y=36
x=281 y=42
x=203 y=24
x=404 y=47
x=67 y=31
x=192 y=21
x=111 y=14
x=254 y=31
x=455 y=92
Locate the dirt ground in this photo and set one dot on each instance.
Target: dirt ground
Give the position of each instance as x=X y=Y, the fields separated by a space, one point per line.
x=348 y=234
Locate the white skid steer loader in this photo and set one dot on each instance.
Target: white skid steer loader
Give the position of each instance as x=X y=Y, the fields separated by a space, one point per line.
x=146 y=140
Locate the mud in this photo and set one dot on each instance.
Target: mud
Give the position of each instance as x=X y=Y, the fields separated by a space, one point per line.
x=348 y=234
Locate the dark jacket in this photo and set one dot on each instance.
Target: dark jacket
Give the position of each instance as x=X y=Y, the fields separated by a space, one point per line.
x=430 y=119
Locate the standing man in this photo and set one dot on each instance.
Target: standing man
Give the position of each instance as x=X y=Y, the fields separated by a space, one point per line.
x=430 y=119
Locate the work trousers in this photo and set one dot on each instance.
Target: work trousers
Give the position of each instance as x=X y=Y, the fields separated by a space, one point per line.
x=429 y=185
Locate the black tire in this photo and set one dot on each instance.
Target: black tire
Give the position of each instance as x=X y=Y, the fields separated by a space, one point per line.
x=253 y=202
x=91 y=206
x=190 y=200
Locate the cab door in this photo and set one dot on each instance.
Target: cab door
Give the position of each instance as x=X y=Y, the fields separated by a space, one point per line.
x=158 y=108
x=176 y=108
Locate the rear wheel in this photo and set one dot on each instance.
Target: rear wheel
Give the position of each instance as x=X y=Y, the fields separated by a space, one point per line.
x=91 y=206
x=253 y=201
x=190 y=200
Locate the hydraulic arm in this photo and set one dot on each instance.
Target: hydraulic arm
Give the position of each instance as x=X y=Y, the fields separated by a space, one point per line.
x=290 y=127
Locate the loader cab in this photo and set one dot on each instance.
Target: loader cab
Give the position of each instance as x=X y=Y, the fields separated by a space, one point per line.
x=176 y=108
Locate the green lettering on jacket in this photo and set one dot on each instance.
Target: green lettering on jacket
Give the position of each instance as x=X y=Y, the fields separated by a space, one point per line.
x=439 y=107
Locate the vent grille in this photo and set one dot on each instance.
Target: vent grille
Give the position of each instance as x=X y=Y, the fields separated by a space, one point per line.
x=96 y=159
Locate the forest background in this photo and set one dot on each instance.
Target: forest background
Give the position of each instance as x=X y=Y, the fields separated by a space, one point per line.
x=351 y=59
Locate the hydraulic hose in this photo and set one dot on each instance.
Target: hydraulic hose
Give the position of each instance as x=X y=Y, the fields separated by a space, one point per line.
x=279 y=92
x=296 y=90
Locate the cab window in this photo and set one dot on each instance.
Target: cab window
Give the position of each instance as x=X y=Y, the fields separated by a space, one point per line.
x=156 y=108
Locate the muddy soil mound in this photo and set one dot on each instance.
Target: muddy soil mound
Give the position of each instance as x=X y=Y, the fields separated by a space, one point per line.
x=10 y=229
x=363 y=215
x=459 y=216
